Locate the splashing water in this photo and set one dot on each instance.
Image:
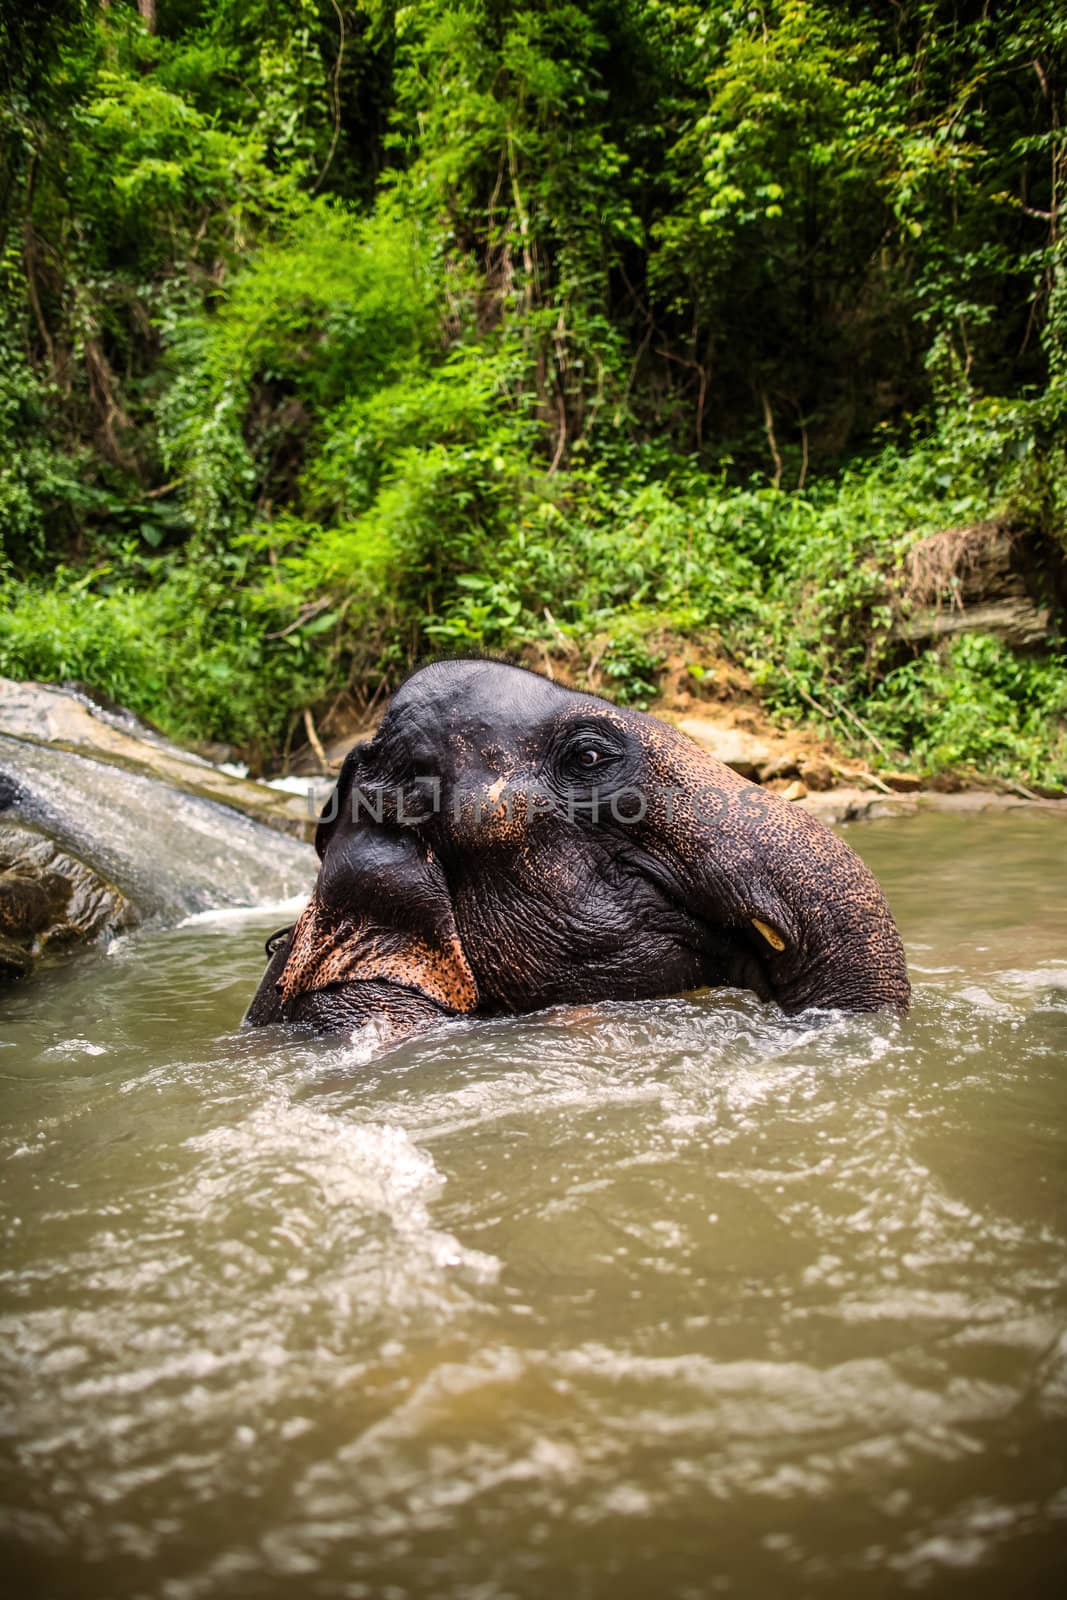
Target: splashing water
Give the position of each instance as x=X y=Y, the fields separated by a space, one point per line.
x=676 y=1297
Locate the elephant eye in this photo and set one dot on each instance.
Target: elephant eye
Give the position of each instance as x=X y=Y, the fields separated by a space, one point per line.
x=586 y=752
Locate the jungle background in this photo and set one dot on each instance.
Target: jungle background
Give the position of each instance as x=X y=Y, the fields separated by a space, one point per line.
x=647 y=338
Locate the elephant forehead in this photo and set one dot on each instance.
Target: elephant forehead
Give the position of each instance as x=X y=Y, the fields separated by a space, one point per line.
x=481 y=710
x=456 y=689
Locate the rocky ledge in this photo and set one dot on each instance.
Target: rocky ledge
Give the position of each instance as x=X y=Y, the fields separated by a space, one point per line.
x=104 y=825
x=799 y=768
x=69 y=719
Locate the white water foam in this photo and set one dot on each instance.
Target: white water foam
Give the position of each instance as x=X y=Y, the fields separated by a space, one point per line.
x=237 y=914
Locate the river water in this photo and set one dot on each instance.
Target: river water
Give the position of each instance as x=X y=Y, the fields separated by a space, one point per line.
x=670 y=1299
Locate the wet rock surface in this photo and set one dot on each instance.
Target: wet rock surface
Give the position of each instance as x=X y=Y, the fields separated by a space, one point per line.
x=853 y=804
x=50 y=899
x=68 y=719
x=105 y=825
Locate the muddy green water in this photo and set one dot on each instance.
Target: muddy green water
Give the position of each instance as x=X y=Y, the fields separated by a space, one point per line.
x=674 y=1299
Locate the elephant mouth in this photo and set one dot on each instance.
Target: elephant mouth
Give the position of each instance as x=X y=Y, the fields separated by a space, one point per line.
x=736 y=959
x=393 y=1009
x=639 y=942
x=732 y=946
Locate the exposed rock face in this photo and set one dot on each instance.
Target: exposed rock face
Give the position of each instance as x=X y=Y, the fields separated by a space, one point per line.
x=860 y=805
x=49 y=898
x=744 y=752
x=104 y=824
x=983 y=579
x=772 y=758
x=42 y=714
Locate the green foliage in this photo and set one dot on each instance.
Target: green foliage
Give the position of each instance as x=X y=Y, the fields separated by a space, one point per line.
x=332 y=334
x=39 y=486
x=186 y=652
x=974 y=703
x=334 y=309
x=630 y=668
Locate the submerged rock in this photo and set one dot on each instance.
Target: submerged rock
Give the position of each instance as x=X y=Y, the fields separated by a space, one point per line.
x=104 y=824
x=50 y=899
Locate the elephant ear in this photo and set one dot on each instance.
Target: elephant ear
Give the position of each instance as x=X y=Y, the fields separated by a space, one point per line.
x=333 y=812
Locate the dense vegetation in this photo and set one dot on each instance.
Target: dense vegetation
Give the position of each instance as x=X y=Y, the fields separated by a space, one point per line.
x=335 y=332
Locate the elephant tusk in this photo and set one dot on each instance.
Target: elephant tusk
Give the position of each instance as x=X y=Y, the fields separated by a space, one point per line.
x=774 y=939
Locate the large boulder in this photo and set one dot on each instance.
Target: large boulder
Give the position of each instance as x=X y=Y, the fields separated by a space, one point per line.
x=69 y=719
x=745 y=752
x=50 y=899
x=104 y=825
x=986 y=578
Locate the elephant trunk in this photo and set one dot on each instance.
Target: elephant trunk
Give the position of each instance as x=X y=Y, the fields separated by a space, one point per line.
x=777 y=880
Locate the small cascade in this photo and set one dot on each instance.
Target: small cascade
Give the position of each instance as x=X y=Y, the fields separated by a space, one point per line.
x=96 y=839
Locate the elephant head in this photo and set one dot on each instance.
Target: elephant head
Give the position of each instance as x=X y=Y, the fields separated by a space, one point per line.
x=504 y=843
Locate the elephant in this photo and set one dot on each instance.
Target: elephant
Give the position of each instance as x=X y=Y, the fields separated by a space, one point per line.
x=504 y=844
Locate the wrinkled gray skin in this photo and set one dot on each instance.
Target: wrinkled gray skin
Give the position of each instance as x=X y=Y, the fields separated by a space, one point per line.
x=519 y=845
